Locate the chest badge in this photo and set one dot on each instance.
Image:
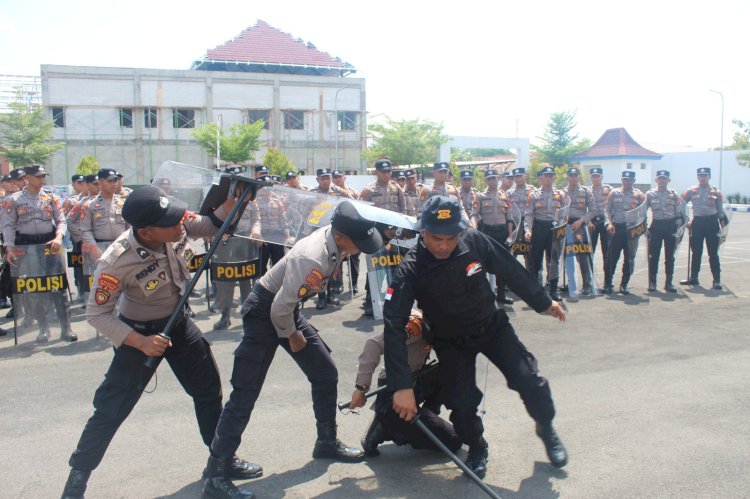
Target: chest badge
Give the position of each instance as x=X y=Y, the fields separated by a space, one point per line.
x=473 y=268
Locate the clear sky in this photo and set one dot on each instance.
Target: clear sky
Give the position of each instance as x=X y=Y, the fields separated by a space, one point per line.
x=479 y=67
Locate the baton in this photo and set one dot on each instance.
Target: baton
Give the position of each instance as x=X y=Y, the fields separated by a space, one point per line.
x=440 y=445
x=251 y=186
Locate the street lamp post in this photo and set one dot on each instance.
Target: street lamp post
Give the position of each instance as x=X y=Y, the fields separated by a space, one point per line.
x=336 y=125
x=721 y=142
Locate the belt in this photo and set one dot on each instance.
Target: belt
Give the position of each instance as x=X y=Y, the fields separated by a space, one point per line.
x=262 y=292
x=706 y=217
x=664 y=220
x=34 y=238
x=543 y=222
x=153 y=326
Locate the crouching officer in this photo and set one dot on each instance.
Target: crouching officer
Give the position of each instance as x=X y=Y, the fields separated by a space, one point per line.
x=144 y=272
x=446 y=272
x=271 y=318
x=665 y=218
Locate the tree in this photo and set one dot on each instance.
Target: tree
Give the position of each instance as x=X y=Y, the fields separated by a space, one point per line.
x=742 y=142
x=560 y=144
x=277 y=162
x=237 y=146
x=406 y=142
x=26 y=134
x=87 y=165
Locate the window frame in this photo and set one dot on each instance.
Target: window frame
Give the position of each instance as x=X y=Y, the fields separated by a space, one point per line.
x=177 y=116
x=58 y=116
x=290 y=119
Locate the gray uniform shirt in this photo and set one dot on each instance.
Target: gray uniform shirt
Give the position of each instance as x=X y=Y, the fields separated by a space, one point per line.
x=600 y=194
x=665 y=205
x=706 y=200
x=581 y=202
x=417 y=351
x=101 y=219
x=620 y=202
x=543 y=205
x=520 y=196
x=491 y=208
x=303 y=271
x=412 y=202
x=32 y=214
x=73 y=219
x=389 y=197
x=146 y=284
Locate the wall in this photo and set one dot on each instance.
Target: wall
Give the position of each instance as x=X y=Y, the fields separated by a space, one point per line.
x=520 y=146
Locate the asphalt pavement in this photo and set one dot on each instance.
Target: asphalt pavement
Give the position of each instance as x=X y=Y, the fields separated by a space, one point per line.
x=651 y=392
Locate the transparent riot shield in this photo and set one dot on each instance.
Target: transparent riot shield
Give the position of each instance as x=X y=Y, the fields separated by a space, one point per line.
x=380 y=268
x=681 y=227
x=580 y=276
x=234 y=263
x=519 y=246
x=559 y=229
x=187 y=183
x=40 y=289
x=724 y=222
x=90 y=253
x=636 y=224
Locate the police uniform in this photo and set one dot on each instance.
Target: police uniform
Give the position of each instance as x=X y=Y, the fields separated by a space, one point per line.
x=708 y=218
x=459 y=307
x=446 y=189
x=36 y=219
x=352 y=259
x=541 y=208
x=666 y=216
x=146 y=284
x=519 y=197
x=411 y=195
x=619 y=202
x=467 y=196
x=101 y=218
x=388 y=196
x=599 y=217
x=271 y=315
x=581 y=208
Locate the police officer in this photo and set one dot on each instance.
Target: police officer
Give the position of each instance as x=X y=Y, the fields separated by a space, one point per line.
x=18 y=181
x=467 y=193
x=261 y=171
x=541 y=208
x=292 y=180
x=144 y=271
x=411 y=193
x=441 y=186
x=519 y=197
x=708 y=219
x=101 y=215
x=6 y=283
x=579 y=219
x=34 y=216
x=490 y=213
x=78 y=182
x=122 y=191
x=666 y=216
x=619 y=202
x=506 y=181
x=599 y=218
x=272 y=318
x=446 y=272
x=386 y=424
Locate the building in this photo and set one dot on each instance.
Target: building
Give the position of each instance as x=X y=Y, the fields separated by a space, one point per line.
x=520 y=146
x=135 y=119
x=616 y=151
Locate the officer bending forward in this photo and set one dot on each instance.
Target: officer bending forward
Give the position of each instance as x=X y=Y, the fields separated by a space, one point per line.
x=446 y=272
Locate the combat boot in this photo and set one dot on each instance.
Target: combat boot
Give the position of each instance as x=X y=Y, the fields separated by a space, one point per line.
x=652 y=282
x=375 y=436
x=224 y=322
x=556 y=452
x=68 y=335
x=327 y=446
x=717 y=282
x=624 y=285
x=43 y=336
x=240 y=469
x=668 y=286
x=553 y=292
x=218 y=484
x=320 y=303
x=332 y=300
x=693 y=281
x=76 y=484
x=478 y=456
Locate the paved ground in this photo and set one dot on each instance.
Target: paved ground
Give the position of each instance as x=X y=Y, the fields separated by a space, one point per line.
x=651 y=391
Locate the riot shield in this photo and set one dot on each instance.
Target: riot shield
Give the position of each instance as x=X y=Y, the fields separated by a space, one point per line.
x=90 y=253
x=380 y=268
x=519 y=246
x=187 y=183
x=516 y=217
x=235 y=261
x=681 y=227
x=579 y=262
x=725 y=223
x=635 y=221
x=40 y=289
x=559 y=230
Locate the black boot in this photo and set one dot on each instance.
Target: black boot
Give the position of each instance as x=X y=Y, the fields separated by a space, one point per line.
x=652 y=282
x=717 y=282
x=76 y=484
x=668 y=286
x=624 y=285
x=66 y=334
x=693 y=281
x=241 y=470
x=218 y=484
x=320 y=303
x=375 y=436
x=327 y=446
x=43 y=336
x=556 y=452
x=553 y=293
x=224 y=322
x=478 y=456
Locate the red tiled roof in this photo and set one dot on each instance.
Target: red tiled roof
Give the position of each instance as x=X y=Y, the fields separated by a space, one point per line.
x=616 y=142
x=264 y=44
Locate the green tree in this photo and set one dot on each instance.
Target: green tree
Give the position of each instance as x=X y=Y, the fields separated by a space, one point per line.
x=25 y=134
x=238 y=145
x=277 y=162
x=406 y=142
x=458 y=154
x=559 y=143
x=741 y=142
x=87 y=165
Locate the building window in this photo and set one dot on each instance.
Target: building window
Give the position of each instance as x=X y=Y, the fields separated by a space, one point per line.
x=643 y=166
x=58 y=116
x=629 y=166
x=347 y=120
x=149 y=117
x=183 y=118
x=294 y=120
x=258 y=114
x=126 y=117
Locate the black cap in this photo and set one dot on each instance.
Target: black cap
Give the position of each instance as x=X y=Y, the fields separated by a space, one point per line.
x=265 y=178
x=36 y=171
x=410 y=173
x=442 y=215
x=704 y=171
x=337 y=173
x=347 y=220
x=596 y=171
x=400 y=174
x=261 y=169
x=150 y=206
x=467 y=174
x=383 y=165
x=5 y=178
x=321 y=172
x=508 y=174
x=275 y=179
x=291 y=174
x=546 y=170
x=17 y=174
x=519 y=171
x=77 y=178
x=234 y=169
x=441 y=165
x=628 y=174
x=90 y=178
x=120 y=175
x=106 y=174
x=573 y=171
x=490 y=173
x=662 y=174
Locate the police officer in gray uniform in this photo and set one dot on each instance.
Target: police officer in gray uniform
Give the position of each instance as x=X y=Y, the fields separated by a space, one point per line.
x=579 y=217
x=144 y=272
x=519 y=197
x=411 y=193
x=467 y=193
x=101 y=216
x=599 y=217
x=34 y=216
x=708 y=219
x=666 y=216
x=271 y=318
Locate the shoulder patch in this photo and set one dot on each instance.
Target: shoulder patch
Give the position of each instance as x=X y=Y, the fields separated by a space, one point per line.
x=115 y=250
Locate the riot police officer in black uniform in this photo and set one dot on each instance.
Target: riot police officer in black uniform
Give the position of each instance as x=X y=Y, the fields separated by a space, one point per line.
x=446 y=273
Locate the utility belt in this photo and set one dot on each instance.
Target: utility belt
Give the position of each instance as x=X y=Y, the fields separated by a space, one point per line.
x=543 y=223
x=103 y=240
x=706 y=218
x=34 y=238
x=149 y=328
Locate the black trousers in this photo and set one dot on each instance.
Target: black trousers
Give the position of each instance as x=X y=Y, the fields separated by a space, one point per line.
x=191 y=361
x=600 y=234
x=458 y=378
x=354 y=268
x=619 y=243
x=78 y=271
x=6 y=283
x=252 y=360
x=544 y=248
x=705 y=229
x=661 y=232
x=269 y=251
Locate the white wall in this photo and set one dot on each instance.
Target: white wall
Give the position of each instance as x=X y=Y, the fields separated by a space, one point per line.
x=683 y=166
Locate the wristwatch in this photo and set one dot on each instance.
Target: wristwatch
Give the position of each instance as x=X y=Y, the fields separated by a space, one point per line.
x=362 y=388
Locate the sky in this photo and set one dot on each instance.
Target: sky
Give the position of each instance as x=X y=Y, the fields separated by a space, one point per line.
x=482 y=68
